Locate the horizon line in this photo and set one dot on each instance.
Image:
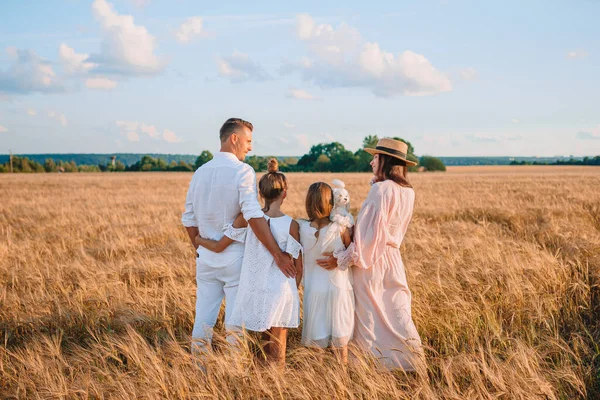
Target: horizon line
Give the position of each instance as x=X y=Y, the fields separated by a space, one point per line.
x=273 y=155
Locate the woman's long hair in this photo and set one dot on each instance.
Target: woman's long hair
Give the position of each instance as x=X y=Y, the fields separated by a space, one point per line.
x=394 y=169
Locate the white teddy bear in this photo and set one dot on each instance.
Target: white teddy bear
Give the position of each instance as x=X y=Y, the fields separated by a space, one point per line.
x=341 y=205
x=340 y=216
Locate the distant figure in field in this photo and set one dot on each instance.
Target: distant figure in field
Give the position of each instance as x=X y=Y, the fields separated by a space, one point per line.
x=383 y=323
x=219 y=191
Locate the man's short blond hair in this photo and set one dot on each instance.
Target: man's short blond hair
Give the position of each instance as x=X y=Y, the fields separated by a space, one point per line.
x=230 y=126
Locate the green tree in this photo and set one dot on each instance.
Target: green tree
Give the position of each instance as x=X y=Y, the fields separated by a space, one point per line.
x=203 y=158
x=258 y=163
x=340 y=159
x=119 y=166
x=88 y=168
x=370 y=142
x=49 y=165
x=161 y=165
x=181 y=166
x=21 y=165
x=412 y=157
x=432 y=163
x=72 y=167
x=363 y=159
x=322 y=164
x=290 y=161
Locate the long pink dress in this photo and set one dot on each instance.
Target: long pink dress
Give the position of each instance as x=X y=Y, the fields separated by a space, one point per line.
x=383 y=323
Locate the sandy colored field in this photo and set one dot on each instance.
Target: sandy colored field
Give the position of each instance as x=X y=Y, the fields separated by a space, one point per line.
x=97 y=290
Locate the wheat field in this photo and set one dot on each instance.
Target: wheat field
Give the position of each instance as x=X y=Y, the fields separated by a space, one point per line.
x=97 y=291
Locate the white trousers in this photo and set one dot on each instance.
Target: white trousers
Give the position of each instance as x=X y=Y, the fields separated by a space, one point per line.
x=214 y=284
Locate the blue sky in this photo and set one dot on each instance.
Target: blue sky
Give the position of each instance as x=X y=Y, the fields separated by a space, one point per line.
x=456 y=78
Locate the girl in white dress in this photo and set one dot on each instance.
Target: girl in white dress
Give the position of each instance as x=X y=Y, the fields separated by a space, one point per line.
x=267 y=301
x=328 y=296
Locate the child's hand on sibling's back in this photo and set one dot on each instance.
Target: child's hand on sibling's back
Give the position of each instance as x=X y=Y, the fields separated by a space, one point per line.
x=328 y=261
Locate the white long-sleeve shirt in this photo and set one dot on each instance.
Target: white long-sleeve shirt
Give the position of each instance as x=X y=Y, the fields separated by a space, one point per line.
x=218 y=192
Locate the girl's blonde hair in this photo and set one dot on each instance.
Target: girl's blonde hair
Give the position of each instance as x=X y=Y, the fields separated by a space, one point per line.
x=319 y=201
x=272 y=184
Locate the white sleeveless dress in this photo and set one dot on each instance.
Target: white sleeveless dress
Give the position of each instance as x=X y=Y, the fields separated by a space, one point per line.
x=328 y=296
x=266 y=298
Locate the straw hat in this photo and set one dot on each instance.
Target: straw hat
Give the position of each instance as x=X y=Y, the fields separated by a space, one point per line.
x=392 y=148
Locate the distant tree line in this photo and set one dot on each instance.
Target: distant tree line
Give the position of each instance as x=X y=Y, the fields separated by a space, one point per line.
x=334 y=157
x=572 y=161
x=105 y=159
x=324 y=157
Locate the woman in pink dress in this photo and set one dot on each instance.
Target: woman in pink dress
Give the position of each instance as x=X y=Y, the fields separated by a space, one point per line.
x=383 y=323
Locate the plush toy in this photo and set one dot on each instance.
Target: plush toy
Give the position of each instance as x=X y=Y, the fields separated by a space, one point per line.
x=340 y=217
x=341 y=205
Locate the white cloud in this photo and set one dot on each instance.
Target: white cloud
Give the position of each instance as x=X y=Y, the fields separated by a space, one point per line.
x=12 y=52
x=512 y=136
x=140 y=3
x=127 y=48
x=59 y=117
x=128 y=125
x=129 y=128
x=133 y=137
x=515 y=121
x=31 y=112
x=329 y=137
x=303 y=140
x=170 y=136
x=468 y=74
x=29 y=73
x=588 y=135
x=240 y=68
x=3 y=129
x=74 y=63
x=485 y=137
x=288 y=125
x=149 y=130
x=342 y=58
x=577 y=54
x=448 y=139
x=100 y=83
x=300 y=94
x=591 y=134
x=190 y=28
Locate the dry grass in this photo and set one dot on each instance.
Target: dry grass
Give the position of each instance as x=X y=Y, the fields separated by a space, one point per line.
x=97 y=291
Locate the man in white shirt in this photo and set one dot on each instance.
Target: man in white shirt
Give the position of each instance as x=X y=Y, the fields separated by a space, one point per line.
x=219 y=191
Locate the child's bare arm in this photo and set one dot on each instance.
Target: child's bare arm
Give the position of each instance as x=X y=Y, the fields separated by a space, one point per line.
x=346 y=237
x=295 y=233
x=218 y=246
x=240 y=222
